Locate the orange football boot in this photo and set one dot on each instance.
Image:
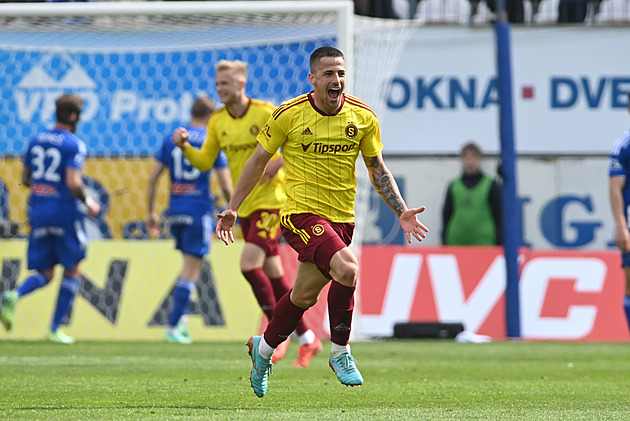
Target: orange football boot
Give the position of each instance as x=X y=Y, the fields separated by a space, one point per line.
x=280 y=351
x=306 y=352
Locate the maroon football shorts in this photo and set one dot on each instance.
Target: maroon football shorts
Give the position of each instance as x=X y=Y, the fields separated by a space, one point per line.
x=263 y=229
x=316 y=239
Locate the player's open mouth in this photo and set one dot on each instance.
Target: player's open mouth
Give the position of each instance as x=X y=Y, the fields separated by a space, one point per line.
x=334 y=93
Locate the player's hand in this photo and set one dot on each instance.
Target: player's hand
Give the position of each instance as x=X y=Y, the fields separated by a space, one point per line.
x=180 y=137
x=622 y=240
x=411 y=225
x=227 y=218
x=93 y=208
x=152 y=225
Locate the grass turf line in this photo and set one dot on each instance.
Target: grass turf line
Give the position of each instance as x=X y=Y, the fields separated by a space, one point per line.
x=404 y=379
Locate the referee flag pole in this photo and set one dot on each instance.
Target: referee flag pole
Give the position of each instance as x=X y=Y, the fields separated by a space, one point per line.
x=511 y=219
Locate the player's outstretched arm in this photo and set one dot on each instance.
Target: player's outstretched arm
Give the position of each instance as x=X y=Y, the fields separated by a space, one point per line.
x=386 y=186
x=251 y=175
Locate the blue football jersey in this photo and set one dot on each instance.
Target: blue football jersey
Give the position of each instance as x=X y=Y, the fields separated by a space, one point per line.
x=48 y=156
x=190 y=189
x=619 y=163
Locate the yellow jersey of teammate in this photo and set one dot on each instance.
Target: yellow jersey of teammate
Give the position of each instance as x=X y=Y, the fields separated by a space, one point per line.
x=236 y=136
x=320 y=153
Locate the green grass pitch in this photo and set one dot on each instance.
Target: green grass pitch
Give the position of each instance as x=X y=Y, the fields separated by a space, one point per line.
x=404 y=379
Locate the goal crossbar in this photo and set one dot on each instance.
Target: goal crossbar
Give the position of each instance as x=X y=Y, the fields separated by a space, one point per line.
x=130 y=8
x=344 y=10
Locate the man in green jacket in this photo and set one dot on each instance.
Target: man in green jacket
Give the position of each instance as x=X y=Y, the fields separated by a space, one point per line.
x=471 y=214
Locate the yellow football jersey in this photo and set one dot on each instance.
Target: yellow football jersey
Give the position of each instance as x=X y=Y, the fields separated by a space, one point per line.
x=320 y=153
x=237 y=137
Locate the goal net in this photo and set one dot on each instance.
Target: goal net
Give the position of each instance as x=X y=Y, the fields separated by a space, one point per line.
x=138 y=67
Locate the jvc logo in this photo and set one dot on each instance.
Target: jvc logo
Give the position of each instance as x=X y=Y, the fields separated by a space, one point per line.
x=456 y=296
x=320 y=148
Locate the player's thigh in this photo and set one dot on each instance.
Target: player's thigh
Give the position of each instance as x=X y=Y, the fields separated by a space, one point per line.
x=193 y=237
x=40 y=253
x=308 y=284
x=315 y=239
x=71 y=246
x=262 y=228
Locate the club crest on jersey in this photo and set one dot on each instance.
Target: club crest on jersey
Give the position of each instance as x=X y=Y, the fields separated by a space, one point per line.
x=254 y=130
x=351 y=131
x=318 y=229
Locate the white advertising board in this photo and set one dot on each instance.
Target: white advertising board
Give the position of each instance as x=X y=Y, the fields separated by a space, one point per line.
x=564 y=201
x=569 y=86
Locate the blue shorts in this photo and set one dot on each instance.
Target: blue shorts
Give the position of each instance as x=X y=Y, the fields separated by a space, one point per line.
x=192 y=233
x=64 y=243
x=625 y=260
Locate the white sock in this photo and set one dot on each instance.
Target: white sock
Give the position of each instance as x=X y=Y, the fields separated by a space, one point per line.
x=264 y=349
x=307 y=337
x=172 y=330
x=337 y=350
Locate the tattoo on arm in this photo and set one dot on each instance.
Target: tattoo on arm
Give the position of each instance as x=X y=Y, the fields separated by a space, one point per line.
x=385 y=185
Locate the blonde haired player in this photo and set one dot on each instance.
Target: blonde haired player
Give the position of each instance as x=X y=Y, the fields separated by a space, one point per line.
x=233 y=129
x=321 y=134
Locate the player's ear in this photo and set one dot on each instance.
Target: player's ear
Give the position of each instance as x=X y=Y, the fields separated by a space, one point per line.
x=311 y=78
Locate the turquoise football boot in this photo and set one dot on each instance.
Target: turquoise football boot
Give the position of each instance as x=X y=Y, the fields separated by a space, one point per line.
x=345 y=367
x=261 y=367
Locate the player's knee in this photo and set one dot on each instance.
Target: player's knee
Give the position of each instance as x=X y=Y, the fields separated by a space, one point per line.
x=347 y=274
x=304 y=299
x=47 y=275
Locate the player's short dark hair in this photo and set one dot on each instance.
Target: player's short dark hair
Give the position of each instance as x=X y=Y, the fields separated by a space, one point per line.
x=471 y=147
x=203 y=107
x=65 y=106
x=321 y=52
